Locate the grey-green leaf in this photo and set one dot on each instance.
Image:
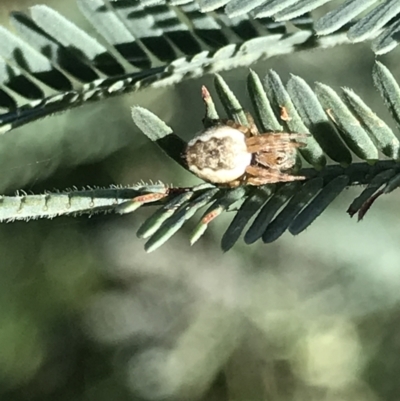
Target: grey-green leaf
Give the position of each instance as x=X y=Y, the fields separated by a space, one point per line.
x=176 y=221
x=350 y=128
x=327 y=195
x=261 y=104
x=232 y=107
x=388 y=88
x=315 y=118
x=283 y=220
x=383 y=136
x=250 y=206
x=269 y=210
x=159 y=132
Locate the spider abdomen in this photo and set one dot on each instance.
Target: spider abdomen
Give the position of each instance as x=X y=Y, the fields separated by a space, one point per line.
x=218 y=155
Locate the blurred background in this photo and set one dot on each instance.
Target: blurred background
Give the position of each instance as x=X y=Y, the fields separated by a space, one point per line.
x=86 y=314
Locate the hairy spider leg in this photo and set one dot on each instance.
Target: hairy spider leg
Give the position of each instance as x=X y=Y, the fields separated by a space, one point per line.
x=253 y=130
x=233 y=124
x=278 y=137
x=271 y=143
x=262 y=176
x=274 y=160
x=248 y=131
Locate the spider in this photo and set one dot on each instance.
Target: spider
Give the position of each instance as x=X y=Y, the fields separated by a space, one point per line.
x=232 y=154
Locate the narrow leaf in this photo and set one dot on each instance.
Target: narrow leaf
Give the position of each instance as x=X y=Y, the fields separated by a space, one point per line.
x=352 y=132
x=231 y=105
x=379 y=180
x=283 y=220
x=299 y=8
x=388 y=39
x=388 y=88
x=224 y=201
x=238 y=7
x=176 y=221
x=340 y=16
x=377 y=18
x=393 y=184
x=154 y=222
x=159 y=132
x=314 y=117
x=271 y=7
x=261 y=104
x=327 y=195
x=250 y=206
x=383 y=136
x=269 y=210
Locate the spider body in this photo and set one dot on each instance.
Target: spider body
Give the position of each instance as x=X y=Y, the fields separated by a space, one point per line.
x=232 y=154
x=218 y=155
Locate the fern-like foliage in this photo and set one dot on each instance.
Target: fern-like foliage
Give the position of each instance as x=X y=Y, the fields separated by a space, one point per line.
x=51 y=64
x=380 y=17
x=340 y=128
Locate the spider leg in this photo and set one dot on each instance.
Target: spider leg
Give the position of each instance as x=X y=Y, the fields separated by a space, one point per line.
x=282 y=160
x=267 y=159
x=249 y=131
x=262 y=176
x=235 y=183
x=252 y=125
x=242 y=128
x=280 y=137
x=271 y=143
